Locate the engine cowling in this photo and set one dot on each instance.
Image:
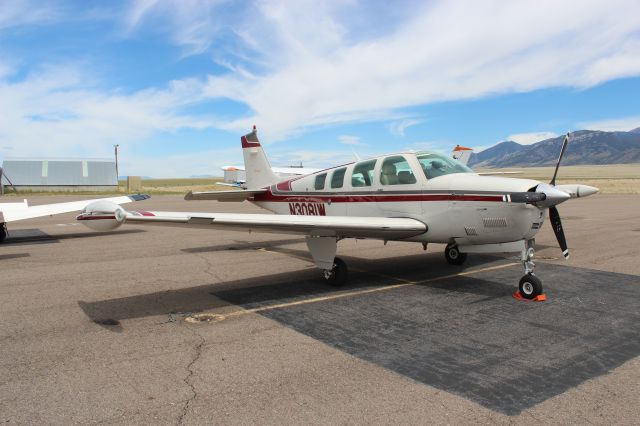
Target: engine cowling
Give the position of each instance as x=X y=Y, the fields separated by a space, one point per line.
x=102 y=216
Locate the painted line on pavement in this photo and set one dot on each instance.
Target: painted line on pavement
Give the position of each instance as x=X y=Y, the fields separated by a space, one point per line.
x=213 y=317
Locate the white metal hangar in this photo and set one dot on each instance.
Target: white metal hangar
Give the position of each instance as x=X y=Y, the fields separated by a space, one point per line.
x=93 y=174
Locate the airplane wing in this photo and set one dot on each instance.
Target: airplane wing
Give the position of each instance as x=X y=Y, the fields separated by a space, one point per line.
x=338 y=226
x=240 y=195
x=10 y=212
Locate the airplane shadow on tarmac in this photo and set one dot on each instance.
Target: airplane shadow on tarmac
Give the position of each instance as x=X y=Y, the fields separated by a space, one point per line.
x=463 y=334
x=36 y=236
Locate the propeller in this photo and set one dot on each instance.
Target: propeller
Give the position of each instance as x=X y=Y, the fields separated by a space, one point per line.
x=554 y=215
x=549 y=196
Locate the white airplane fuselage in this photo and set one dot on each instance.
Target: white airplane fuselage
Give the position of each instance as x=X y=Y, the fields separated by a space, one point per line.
x=464 y=207
x=412 y=196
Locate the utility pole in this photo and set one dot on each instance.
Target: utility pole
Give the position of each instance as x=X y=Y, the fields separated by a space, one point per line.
x=116 y=152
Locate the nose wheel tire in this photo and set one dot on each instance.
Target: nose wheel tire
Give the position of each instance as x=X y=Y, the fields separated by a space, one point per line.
x=337 y=277
x=530 y=286
x=453 y=255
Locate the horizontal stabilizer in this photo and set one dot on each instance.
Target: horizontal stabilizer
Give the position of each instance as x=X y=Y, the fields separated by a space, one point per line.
x=240 y=195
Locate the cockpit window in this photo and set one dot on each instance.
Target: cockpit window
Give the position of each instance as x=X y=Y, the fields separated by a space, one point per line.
x=363 y=173
x=396 y=171
x=434 y=165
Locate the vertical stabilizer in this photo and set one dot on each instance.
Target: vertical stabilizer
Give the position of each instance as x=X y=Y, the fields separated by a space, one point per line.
x=462 y=154
x=257 y=167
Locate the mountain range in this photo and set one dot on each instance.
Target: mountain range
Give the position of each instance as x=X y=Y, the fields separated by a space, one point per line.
x=585 y=147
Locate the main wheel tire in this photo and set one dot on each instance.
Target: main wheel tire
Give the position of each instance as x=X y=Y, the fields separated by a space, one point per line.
x=3 y=232
x=453 y=255
x=530 y=286
x=339 y=273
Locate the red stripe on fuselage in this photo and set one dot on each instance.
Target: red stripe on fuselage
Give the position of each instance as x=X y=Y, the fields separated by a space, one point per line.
x=335 y=198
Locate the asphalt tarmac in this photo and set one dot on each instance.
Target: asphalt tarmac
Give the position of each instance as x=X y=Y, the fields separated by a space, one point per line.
x=183 y=326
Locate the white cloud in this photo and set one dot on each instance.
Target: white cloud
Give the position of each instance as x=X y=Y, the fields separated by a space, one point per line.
x=59 y=110
x=315 y=72
x=26 y=12
x=612 y=125
x=530 y=138
x=350 y=140
x=398 y=127
x=206 y=162
x=194 y=24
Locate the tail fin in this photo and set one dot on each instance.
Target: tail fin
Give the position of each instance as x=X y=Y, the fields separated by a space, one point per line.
x=462 y=154
x=257 y=167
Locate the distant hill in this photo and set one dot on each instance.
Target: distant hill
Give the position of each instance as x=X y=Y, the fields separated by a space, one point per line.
x=585 y=147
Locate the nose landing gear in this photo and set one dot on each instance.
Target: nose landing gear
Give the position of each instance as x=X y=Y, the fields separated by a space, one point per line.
x=530 y=285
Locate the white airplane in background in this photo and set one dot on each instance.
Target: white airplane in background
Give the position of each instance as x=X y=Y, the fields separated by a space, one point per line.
x=282 y=172
x=421 y=197
x=462 y=154
x=11 y=212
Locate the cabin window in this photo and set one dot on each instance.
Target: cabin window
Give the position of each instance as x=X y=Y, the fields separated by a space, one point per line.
x=396 y=171
x=319 y=182
x=363 y=173
x=337 y=178
x=434 y=165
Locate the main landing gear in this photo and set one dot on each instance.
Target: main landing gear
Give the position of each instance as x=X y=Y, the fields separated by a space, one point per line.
x=3 y=231
x=338 y=275
x=323 y=251
x=453 y=255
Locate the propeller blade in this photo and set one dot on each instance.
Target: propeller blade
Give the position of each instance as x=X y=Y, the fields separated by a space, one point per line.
x=556 y=223
x=564 y=146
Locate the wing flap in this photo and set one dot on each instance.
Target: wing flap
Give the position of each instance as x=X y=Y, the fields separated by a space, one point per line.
x=240 y=195
x=338 y=226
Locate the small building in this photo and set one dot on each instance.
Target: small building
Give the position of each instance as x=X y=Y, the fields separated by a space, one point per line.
x=93 y=174
x=234 y=174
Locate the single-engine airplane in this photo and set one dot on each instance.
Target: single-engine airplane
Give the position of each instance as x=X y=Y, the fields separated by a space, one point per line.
x=421 y=197
x=11 y=212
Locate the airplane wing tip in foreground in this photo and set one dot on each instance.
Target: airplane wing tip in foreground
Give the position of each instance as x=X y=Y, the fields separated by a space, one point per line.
x=139 y=197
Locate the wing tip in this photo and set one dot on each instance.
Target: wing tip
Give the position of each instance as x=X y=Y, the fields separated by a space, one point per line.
x=139 y=197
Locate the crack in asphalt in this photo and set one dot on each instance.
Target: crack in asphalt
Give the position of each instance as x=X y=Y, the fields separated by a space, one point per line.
x=187 y=379
x=209 y=267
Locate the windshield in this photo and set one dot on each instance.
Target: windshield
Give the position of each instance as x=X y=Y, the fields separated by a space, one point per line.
x=434 y=165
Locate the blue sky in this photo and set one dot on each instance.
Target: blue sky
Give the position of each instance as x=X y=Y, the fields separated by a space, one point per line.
x=175 y=83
